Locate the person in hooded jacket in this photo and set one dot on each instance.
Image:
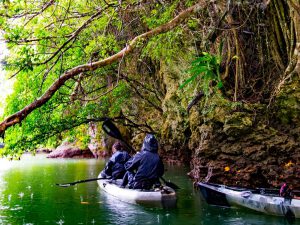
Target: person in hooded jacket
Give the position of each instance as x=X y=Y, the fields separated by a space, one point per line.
x=115 y=166
x=146 y=167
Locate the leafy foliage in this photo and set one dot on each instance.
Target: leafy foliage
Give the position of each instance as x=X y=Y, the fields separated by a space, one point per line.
x=207 y=67
x=164 y=46
x=47 y=38
x=43 y=45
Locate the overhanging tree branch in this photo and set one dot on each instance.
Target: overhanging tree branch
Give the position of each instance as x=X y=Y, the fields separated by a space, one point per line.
x=23 y=113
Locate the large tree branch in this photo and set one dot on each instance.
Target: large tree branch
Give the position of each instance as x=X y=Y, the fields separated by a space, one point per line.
x=23 y=113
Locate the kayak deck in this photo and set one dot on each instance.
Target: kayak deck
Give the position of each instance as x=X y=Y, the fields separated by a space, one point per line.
x=261 y=200
x=164 y=197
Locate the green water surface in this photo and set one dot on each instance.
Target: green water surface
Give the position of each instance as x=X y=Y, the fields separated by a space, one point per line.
x=29 y=196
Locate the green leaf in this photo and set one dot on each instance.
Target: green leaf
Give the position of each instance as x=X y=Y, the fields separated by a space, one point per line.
x=188 y=81
x=220 y=84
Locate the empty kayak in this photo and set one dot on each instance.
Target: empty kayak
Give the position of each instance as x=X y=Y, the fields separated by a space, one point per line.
x=164 y=197
x=266 y=201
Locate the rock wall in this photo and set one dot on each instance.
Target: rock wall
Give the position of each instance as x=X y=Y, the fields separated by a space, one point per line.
x=235 y=143
x=244 y=145
x=69 y=150
x=245 y=138
x=246 y=133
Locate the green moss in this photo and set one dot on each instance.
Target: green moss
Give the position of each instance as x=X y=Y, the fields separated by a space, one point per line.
x=237 y=123
x=288 y=104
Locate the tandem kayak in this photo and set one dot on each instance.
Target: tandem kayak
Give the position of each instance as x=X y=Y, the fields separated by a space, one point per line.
x=164 y=197
x=262 y=200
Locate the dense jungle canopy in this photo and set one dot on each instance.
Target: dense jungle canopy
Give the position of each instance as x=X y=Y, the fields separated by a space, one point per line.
x=216 y=81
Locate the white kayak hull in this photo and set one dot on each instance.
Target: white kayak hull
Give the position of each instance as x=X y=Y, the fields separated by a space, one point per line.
x=270 y=204
x=164 y=197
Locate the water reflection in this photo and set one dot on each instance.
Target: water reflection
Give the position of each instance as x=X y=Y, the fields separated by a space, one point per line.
x=28 y=195
x=124 y=213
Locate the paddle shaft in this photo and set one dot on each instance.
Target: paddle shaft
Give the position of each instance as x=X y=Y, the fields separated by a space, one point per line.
x=80 y=181
x=128 y=146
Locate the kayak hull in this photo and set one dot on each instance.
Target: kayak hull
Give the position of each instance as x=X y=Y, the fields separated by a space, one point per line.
x=164 y=197
x=270 y=203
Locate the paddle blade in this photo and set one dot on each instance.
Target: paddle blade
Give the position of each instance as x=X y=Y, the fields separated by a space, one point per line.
x=172 y=185
x=111 y=129
x=169 y=184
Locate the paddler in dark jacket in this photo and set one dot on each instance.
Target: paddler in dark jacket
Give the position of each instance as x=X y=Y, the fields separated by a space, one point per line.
x=115 y=166
x=146 y=166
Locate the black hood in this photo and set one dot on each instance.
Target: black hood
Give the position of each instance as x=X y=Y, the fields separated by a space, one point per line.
x=150 y=144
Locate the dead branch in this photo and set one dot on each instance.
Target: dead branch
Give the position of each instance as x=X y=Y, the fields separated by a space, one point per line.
x=195 y=100
x=130 y=123
x=135 y=82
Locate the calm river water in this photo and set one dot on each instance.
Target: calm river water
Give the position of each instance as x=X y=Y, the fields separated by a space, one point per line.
x=29 y=196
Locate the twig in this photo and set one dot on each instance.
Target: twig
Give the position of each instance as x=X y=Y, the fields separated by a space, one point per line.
x=74 y=35
x=42 y=10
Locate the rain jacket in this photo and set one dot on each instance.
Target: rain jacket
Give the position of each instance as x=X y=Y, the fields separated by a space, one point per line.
x=146 y=164
x=115 y=166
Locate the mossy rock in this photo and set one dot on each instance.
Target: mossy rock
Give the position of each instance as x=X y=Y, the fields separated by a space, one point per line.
x=237 y=123
x=288 y=104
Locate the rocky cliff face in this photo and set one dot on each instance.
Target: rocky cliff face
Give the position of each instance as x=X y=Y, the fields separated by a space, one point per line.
x=236 y=144
x=254 y=153
x=70 y=150
x=245 y=133
x=247 y=138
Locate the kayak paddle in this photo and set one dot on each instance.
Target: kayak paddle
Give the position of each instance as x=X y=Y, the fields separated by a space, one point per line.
x=170 y=184
x=80 y=181
x=109 y=127
x=114 y=132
